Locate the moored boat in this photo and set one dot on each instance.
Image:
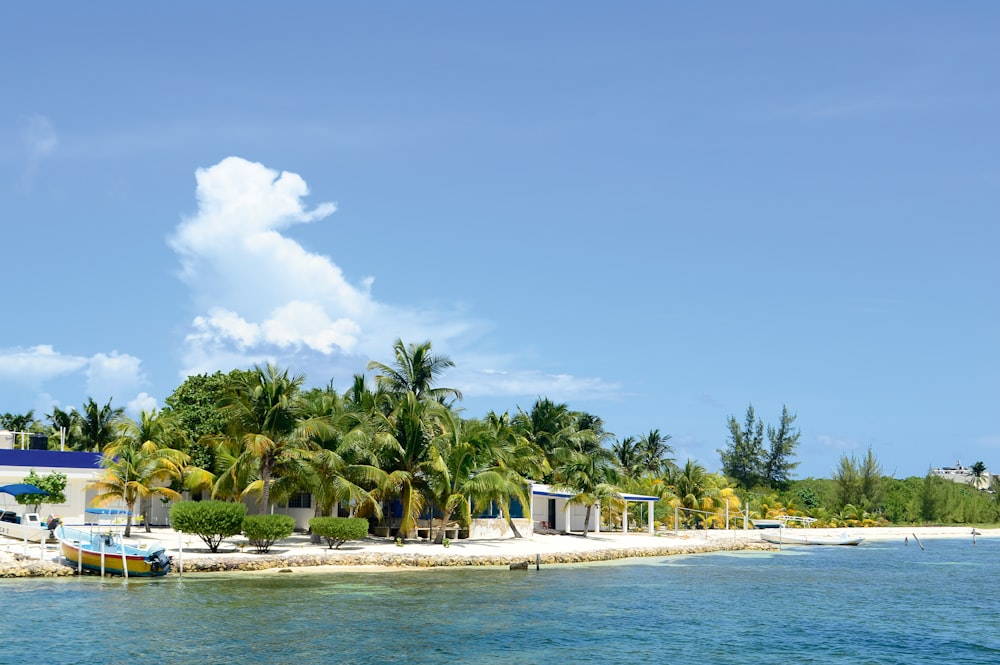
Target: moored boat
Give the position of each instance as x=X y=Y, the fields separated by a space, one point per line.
x=28 y=527
x=803 y=537
x=100 y=549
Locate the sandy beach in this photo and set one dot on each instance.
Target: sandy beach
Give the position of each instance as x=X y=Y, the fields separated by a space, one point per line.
x=299 y=553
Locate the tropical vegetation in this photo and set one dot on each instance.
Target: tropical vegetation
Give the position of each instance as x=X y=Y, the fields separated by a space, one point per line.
x=394 y=449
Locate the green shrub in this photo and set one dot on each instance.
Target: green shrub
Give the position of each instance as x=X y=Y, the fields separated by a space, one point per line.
x=264 y=530
x=338 y=530
x=212 y=521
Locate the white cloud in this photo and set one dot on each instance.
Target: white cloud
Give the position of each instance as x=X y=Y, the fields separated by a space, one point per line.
x=517 y=382
x=837 y=443
x=106 y=376
x=113 y=376
x=263 y=294
x=264 y=297
x=307 y=323
x=38 y=364
x=141 y=402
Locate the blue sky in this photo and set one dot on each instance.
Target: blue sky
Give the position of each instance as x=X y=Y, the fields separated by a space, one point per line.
x=658 y=213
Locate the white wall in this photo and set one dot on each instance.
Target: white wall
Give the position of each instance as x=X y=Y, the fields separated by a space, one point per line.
x=77 y=496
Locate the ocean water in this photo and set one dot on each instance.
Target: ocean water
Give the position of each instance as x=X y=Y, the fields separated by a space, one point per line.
x=876 y=603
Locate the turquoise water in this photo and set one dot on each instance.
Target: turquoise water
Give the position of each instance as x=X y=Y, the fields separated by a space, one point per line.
x=876 y=603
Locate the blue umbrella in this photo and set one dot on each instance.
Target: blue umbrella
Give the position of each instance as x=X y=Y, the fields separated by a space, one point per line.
x=19 y=489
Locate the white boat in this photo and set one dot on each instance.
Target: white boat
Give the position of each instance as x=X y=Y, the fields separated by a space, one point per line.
x=803 y=537
x=28 y=527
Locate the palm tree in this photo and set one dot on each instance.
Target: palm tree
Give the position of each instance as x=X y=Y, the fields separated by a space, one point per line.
x=98 y=425
x=553 y=428
x=414 y=370
x=694 y=489
x=452 y=464
x=345 y=465
x=264 y=412
x=653 y=452
x=980 y=479
x=407 y=415
x=69 y=422
x=510 y=460
x=627 y=455
x=139 y=461
x=591 y=476
x=402 y=442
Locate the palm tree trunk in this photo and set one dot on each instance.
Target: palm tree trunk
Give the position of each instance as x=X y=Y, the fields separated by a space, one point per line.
x=586 y=521
x=510 y=520
x=128 y=518
x=445 y=516
x=265 y=477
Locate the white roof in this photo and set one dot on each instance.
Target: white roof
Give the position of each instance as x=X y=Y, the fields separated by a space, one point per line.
x=545 y=490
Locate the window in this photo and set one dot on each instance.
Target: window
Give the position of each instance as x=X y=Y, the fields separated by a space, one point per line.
x=300 y=500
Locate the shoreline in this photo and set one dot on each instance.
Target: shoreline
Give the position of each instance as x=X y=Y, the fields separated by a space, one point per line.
x=297 y=553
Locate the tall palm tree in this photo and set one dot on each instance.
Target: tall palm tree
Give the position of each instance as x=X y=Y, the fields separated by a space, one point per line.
x=453 y=461
x=553 y=428
x=590 y=476
x=510 y=461
x=627 y=455
x=98 y=425
x=69 y=422
x=694 y=489
x=264 y=412
x=654 y=451
x=415 y=370
x=402 y=442
x=407 y=415
x=344 y=468
x=138 y=462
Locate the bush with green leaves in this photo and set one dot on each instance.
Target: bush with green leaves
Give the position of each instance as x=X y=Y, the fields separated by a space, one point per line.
x=338 y=530
x=54 y=484
x=264 y=530
x=212 y=521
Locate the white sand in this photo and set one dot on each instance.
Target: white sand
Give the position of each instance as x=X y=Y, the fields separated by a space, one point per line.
x=538 y=543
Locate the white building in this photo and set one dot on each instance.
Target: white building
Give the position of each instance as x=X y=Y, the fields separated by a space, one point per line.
x=80 y=469
x=963 y=474
x=551 y=509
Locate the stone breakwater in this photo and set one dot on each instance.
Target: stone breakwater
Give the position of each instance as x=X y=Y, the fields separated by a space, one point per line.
x=16 y=565
x=402 y=559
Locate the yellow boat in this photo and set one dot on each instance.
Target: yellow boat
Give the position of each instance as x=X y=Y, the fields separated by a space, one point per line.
x=101 y=550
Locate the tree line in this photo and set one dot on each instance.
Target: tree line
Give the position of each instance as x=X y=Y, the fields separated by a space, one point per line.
x=395 y=435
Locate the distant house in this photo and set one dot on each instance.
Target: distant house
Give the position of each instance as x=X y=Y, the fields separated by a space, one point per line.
x=963 y=474
x=551 y=509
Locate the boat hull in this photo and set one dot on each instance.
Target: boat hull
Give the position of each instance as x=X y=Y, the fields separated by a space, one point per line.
x=88 y=556
x=804 y=539
x=27 y=532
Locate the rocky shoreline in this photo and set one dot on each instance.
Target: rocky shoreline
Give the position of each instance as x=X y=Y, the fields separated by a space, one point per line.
x=16 y=565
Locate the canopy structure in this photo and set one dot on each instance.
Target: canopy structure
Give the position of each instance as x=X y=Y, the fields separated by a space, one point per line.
x=20 y=489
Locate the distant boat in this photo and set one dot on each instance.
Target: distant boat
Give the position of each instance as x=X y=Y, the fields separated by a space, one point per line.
x=28 y=527
x=803 y=537
x=766 y=524
x=102 y=550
